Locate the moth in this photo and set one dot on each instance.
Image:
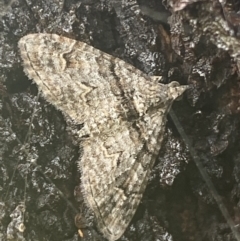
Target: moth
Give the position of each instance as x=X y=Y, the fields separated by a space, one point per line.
x=123 y=112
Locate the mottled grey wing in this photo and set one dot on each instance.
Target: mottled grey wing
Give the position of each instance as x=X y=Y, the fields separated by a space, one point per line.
x=123 y=112
x=115 y=169
x=75 y=76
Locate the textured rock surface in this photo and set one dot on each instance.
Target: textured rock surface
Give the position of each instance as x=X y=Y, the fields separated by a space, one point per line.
x=182 y=49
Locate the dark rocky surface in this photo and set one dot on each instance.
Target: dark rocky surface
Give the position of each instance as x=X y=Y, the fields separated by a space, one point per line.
x=197 y=45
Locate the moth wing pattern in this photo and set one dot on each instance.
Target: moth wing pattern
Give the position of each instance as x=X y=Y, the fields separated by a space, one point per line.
x=116 y=177
x=75 y=76
x=123 y=112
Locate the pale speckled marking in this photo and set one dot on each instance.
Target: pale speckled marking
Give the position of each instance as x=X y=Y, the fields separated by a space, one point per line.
x=123 y=112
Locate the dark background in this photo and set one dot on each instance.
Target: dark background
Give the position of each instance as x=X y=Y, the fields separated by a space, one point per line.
x=197 y=45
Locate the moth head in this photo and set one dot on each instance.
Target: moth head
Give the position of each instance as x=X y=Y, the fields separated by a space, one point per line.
x=166 y=94
x=175 y=90
x=159 y=96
